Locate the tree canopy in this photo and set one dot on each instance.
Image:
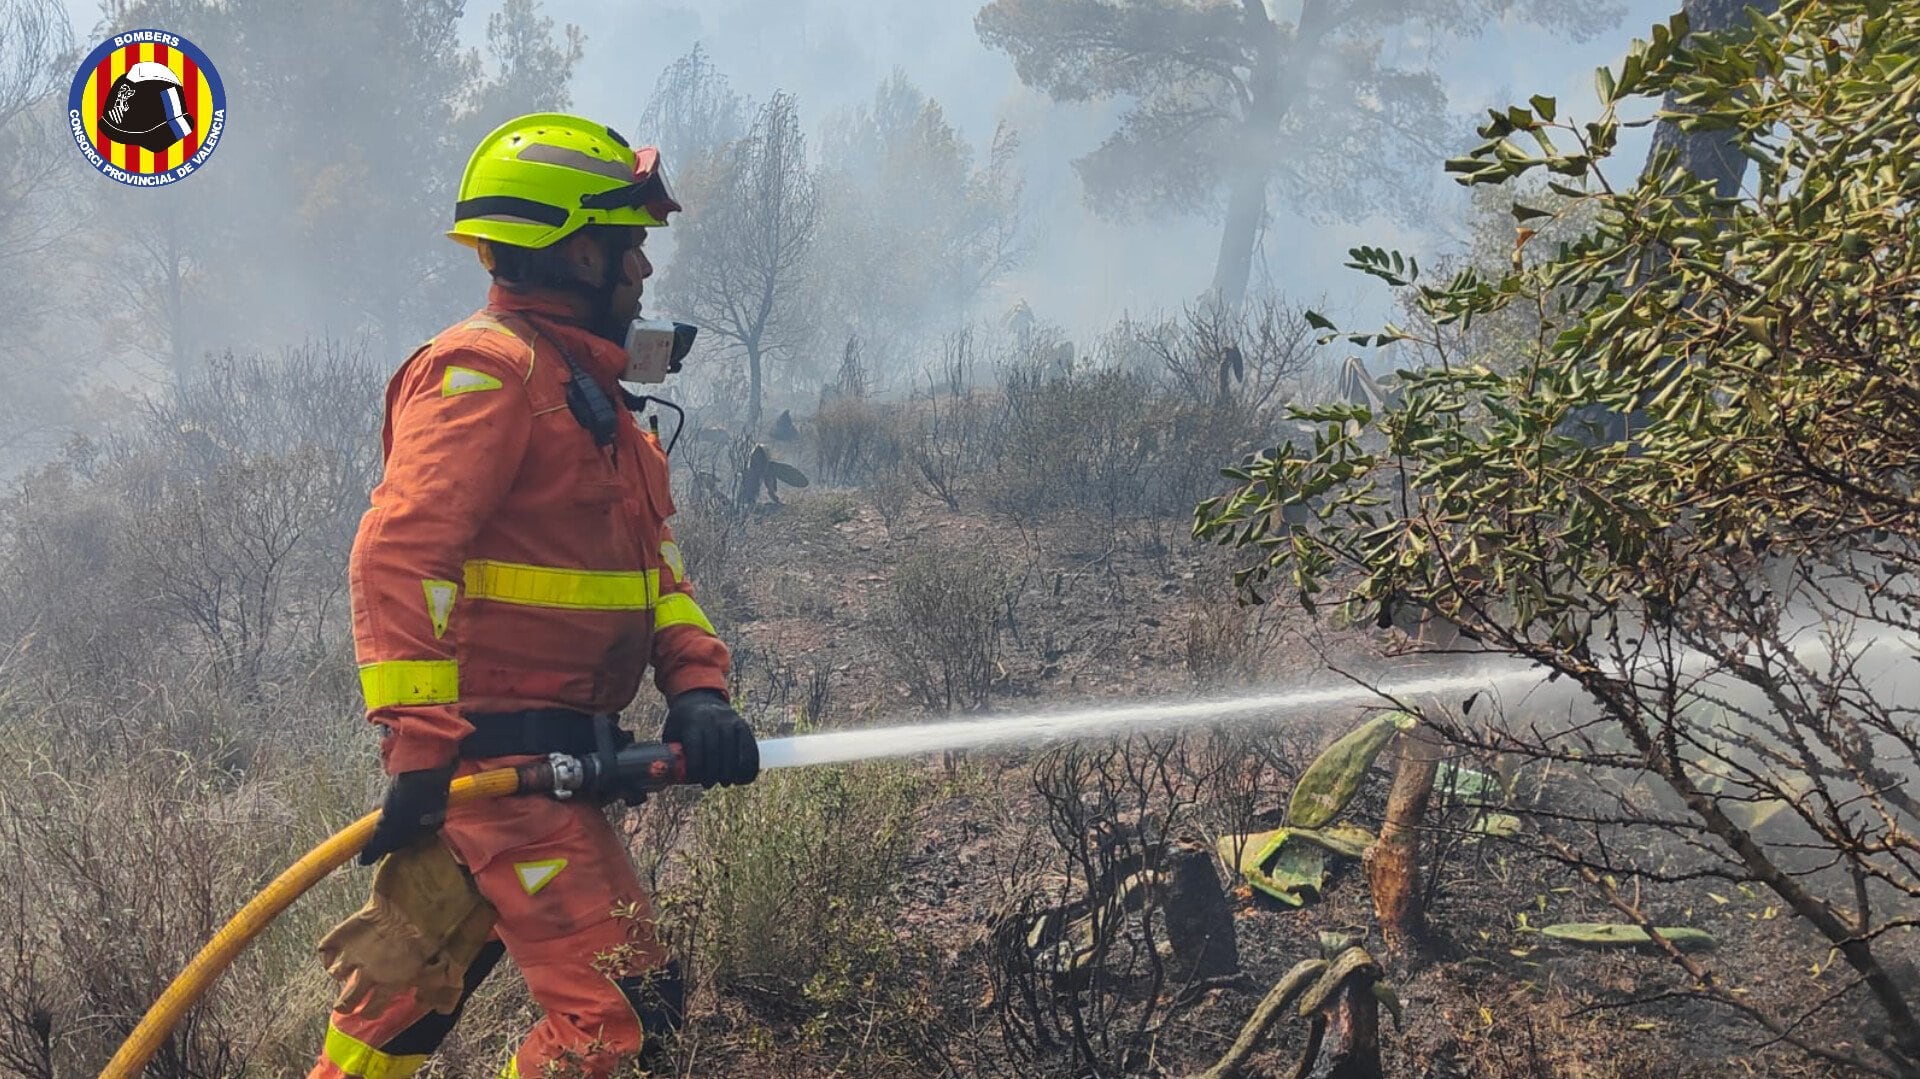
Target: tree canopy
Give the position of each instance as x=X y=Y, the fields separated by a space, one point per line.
x=913 y=228
x=1230 y=101
x=742 y=250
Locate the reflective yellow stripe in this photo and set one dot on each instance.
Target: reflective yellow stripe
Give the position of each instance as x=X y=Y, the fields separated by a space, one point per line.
x=410 y=681
x=679 y=609
x=574 y=589
x=363 y=1061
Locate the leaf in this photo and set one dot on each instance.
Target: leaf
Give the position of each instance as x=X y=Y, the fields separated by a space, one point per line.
x=1332 y=780
x=1529 y=213
x=1547 y=107
x=1384 y=993
x=1501 y=825
x=787 y=474
x=1615 y=935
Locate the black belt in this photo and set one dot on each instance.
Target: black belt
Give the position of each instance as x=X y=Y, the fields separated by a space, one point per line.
x=540 y=731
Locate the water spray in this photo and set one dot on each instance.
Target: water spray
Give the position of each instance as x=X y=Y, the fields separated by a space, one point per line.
x=1039 y=728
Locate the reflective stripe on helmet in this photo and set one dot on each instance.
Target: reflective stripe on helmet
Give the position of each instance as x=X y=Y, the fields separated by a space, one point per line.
x=548 y=154
x=410 y=681
x=504 y=207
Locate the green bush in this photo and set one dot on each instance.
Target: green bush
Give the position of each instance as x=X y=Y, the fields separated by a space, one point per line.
x=793 y=877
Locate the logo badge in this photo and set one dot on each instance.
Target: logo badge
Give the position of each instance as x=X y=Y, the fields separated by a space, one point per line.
x=146 y=108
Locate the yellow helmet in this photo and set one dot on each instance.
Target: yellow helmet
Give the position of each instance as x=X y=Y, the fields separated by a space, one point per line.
x=539 y=178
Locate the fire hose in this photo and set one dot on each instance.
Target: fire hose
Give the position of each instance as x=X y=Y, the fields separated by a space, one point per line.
x=644 y=765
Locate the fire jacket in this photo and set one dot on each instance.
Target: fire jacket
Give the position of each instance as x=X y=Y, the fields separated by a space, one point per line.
x=507 y=562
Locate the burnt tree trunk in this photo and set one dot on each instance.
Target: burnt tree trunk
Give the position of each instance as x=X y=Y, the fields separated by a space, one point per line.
x=1350 y=1048
x=755 y=378
x=1199 y=919
x=1246 y=210
x=1393 y=861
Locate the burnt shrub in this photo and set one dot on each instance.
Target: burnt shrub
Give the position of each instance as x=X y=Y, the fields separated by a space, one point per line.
x=941 y=627
x=855 y=438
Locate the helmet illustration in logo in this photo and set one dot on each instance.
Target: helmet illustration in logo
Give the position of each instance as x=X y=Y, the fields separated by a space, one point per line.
x=145 y=108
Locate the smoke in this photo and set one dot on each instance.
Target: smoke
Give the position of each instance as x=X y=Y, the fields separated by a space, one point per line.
x=1081 y=272
x=1084 y=272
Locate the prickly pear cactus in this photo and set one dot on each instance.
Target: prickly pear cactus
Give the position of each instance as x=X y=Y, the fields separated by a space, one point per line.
x=762 y=472
x=1332 y=780
x=1612 y=935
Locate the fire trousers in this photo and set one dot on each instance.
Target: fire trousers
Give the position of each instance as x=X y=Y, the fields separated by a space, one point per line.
x=573 y=917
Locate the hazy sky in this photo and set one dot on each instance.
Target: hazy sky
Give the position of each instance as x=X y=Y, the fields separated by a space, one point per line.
x=1083 y=272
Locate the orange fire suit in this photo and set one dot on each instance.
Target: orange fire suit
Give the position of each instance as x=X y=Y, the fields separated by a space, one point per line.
x=508 y=563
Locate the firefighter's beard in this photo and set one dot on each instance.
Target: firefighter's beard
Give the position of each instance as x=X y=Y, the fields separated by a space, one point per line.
x=615 y=312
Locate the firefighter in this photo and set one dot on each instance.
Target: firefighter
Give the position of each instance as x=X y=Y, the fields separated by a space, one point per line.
x=512 y=582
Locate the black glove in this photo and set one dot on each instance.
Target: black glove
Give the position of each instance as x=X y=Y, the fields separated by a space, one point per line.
x=416 y=806
x=718 y=743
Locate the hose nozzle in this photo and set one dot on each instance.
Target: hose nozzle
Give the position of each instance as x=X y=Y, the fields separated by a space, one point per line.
x=645 y=766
